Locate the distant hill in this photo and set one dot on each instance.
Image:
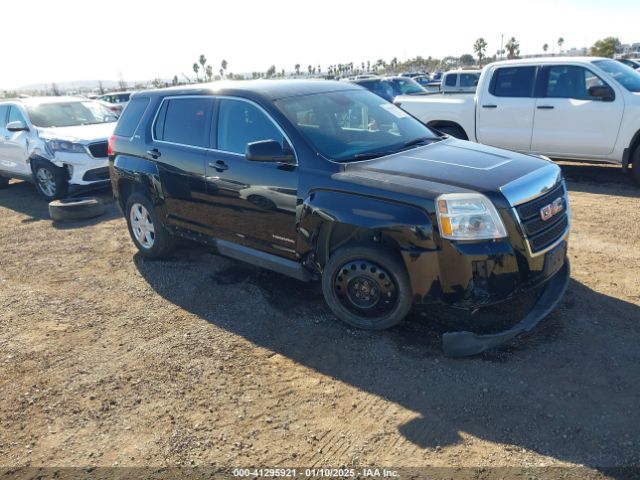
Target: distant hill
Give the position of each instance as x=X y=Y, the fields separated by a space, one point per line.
x=75 y=85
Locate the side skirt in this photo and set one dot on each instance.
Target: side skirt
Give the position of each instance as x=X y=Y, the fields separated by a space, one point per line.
x=255 y=257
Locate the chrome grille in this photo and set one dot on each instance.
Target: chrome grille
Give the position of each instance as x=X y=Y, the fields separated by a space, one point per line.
x=541 y=234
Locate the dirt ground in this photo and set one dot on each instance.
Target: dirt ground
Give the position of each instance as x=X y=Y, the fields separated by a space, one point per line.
x=107 y=359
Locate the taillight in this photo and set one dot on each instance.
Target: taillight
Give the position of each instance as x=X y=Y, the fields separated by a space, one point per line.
x=112 y=139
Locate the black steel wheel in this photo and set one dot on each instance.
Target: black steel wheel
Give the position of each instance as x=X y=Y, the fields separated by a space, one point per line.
x=367 y=287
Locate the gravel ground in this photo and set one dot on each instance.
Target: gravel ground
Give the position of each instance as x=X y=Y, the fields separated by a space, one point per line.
x=110 y=359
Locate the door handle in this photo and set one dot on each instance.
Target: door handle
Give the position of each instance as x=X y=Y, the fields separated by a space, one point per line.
x=489 y=106
x=545 y=107
x=220 y=166
x=155 y=153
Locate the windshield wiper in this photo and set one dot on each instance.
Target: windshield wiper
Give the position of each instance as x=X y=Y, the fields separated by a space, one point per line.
x=412 y=143
x=370 y=155
x=418 y=141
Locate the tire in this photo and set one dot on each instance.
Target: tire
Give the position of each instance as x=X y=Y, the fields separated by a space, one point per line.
x=151 y=238
x=452 y=131
x=4 y=182
x=51 y=181
x=635 y=166
x=75 y=209
x=367 y=287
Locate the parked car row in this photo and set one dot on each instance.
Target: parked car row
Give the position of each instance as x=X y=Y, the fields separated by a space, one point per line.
x=572 y=108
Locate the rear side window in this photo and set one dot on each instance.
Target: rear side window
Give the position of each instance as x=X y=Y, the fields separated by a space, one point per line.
x=513 y=82
x=185 y=121
x=131 y=117
x=3 y=115
x=450 y=81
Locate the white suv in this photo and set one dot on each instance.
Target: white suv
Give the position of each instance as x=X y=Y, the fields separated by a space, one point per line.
x=55 y=142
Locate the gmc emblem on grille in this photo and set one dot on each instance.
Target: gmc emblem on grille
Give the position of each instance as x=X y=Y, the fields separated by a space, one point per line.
x=552 y=209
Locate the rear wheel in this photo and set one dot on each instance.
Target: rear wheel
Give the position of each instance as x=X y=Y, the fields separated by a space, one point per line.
x=51 y=181
x=148 y=234
x=367 y=287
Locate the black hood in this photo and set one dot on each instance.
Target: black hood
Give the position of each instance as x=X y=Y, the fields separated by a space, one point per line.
x=448 y=166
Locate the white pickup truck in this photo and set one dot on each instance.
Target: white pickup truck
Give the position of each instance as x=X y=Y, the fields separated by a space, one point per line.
x=581 y=108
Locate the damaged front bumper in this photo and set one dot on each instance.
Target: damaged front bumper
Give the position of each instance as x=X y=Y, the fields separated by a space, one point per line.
x=463 y=344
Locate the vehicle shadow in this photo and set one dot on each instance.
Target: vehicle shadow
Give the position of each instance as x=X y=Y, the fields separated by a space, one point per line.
x=599 y=178
x=568 y=390
x=21 y=197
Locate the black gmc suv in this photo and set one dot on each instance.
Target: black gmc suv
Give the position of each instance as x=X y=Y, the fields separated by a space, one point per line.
x=325 y=180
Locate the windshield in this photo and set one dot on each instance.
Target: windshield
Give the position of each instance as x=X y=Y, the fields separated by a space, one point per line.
x=69 y=114
x=407 y=86
x=624 y=75
x=354 y=125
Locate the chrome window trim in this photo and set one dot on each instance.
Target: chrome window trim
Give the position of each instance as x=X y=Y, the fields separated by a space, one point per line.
x=219 y=97
x=560 y=239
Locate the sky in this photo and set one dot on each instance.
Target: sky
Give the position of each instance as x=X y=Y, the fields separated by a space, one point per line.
x=48 y=41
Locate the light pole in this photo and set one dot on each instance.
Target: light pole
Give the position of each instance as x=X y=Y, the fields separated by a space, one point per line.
x=501 y=45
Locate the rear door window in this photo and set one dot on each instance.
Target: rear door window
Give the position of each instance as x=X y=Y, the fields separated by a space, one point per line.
x=185 y=121
x=513 y=82
x=131 y=117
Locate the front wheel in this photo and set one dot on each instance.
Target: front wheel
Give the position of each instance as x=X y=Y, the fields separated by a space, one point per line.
x=148 y=234
x=51 y=181
x=367 y=287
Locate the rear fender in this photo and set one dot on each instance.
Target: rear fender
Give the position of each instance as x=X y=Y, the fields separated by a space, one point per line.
x=331 y=219
x=136 y=174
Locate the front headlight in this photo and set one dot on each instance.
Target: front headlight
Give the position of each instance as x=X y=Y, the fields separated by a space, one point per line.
x=468 y=216
x=65 y=146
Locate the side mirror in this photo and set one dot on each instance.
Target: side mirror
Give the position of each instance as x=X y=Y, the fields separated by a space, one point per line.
x=603 y=92
x=267 y=151
x=17 y=126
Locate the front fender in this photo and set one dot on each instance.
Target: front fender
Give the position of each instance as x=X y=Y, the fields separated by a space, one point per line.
x=327 y=215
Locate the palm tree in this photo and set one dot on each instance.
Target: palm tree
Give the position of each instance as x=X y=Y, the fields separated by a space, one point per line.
x=545 y=47
x=203 y=61
x=209 y=72
x=480 y=47
x=224 y=65
x=310 y=68
x=513 y=47
x=297 y=69
x=196 y=68
x=560 y=42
